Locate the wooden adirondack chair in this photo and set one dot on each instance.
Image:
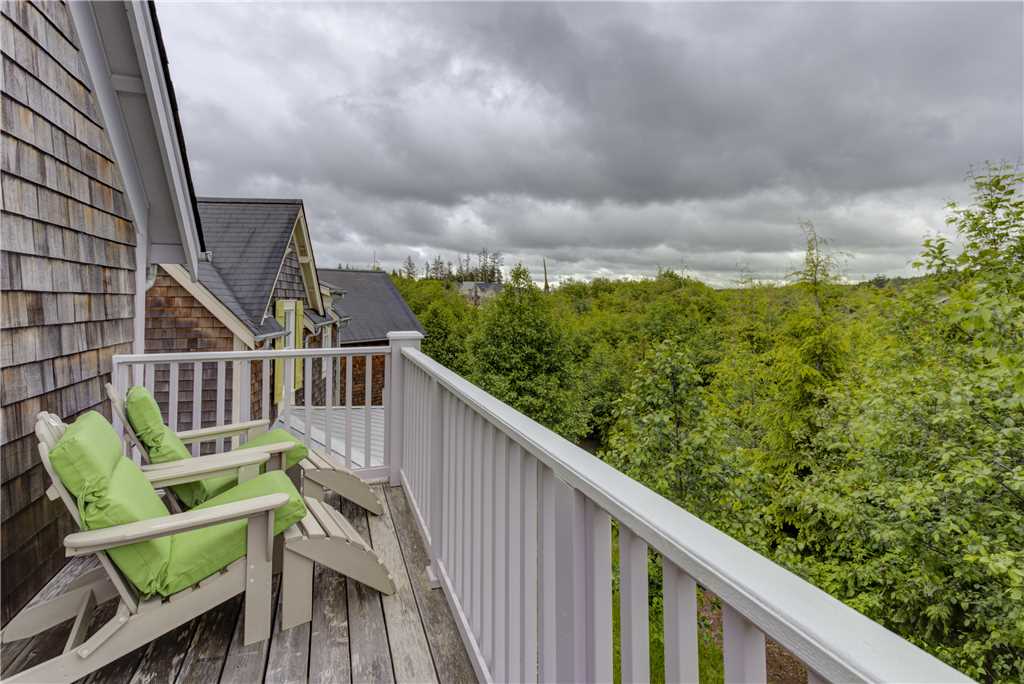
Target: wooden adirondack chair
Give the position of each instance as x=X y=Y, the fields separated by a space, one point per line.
x=318 y=472
x=323 y=536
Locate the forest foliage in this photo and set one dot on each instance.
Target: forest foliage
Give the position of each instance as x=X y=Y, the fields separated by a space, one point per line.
x=869 y=437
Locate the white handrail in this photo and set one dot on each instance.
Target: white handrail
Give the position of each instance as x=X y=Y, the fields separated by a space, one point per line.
x=168 y=357
x=834 y=640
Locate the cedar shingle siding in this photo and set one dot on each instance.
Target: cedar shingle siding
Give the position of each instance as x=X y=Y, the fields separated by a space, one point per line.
x=67 y=274
x=289 y=279
x=178 y=322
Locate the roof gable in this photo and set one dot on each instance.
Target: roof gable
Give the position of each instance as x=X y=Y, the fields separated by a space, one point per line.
x=249 y=239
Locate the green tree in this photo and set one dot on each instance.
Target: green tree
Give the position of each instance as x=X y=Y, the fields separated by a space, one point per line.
x=519 y=353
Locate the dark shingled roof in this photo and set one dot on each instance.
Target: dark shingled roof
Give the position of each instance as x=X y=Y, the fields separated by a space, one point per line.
x=248 y=239
x=373 y=303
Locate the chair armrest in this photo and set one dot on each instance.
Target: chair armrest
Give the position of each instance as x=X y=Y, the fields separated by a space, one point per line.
x=207 y=433
x=82 y=543
x=192 y=469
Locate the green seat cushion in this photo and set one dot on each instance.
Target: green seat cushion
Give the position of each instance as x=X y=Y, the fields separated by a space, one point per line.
x=292 y=456
x=197 y=554
x=163 y=446
x=112 y=490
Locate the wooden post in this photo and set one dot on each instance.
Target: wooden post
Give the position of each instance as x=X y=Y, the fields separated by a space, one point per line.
x=394 y=410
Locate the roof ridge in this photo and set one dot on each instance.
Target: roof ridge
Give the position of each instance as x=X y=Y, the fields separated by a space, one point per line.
x=248 y=200
x=353 y=270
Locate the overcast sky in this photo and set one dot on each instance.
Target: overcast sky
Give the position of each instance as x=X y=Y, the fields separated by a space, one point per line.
x=610 y=139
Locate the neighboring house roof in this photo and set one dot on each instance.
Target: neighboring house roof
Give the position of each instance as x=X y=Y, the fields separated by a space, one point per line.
x=210 y=277
x=248 y=239
x=473 y=286
x=373 y=302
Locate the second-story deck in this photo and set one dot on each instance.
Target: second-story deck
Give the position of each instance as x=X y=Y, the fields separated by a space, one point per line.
x=356 y=634
x=513 y=526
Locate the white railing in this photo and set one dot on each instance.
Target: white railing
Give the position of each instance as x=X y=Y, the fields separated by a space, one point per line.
x=518 y=522
x=348 y=426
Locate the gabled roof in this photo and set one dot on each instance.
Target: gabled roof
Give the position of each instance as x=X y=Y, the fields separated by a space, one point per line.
x=248 y=239
x=373 y=302
x=210 y=278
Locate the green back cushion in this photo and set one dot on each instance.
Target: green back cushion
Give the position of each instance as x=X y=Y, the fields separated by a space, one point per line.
x=111 y=490
x=292 y=456
x=163 y=446
x=199 y=553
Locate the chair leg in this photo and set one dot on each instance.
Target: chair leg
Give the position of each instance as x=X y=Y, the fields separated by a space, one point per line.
x=259 y=568
x=296 y=590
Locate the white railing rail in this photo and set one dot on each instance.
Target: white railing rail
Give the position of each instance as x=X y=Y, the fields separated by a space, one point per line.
x=518 y=523
x=323 y=412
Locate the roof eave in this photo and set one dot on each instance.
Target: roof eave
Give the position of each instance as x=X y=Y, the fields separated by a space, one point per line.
x=136 y=98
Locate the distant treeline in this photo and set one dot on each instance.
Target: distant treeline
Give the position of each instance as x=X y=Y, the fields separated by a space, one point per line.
x=487 y=268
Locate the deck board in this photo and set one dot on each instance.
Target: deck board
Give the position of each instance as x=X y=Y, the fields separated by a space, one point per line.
x=329 y=658
x=204 y=659
x=368 y=635
x=354 y=635
x=412 y=662
x=247 y=664
x=451 y=662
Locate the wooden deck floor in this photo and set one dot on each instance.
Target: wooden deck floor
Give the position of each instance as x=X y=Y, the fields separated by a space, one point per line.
x=356 y=634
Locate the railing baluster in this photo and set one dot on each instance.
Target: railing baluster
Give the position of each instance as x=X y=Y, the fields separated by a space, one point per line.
x=349 y=367
x=486 y=548
x=236 y=399
x=742 y=648
x=569 y=522
x=467 y=512
x=382 y=415
x=368 y=405
x=307 y=399
x=328 y=363
x=462 y=495
x=529 y=568
x=548 y=638
x=265 y=390
x=172 y=396
x=149 y=376
x=438 y=469
x=221 y=391
x=680 y=597
x=599 y=593
x=197 y=401
x=478 y=527
x=636 y=664
x=499 y=586
x=514 y=541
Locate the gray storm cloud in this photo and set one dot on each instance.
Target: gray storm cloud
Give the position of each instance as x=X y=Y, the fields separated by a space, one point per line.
x=610 y=139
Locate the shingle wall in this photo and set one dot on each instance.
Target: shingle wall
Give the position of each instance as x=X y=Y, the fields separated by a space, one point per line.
x=67 y=274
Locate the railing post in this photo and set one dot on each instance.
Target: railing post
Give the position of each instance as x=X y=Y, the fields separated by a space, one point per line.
x=394 y=410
